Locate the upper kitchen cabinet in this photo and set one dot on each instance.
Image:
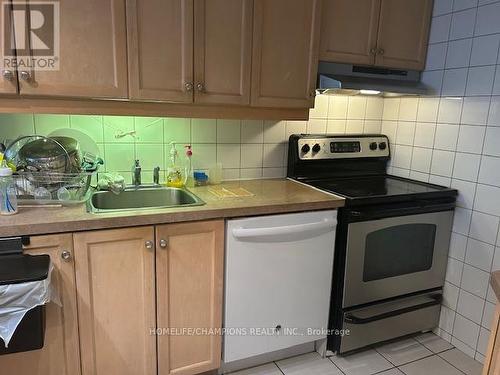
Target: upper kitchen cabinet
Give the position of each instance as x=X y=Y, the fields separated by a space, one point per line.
x=285 y=52
x=349 y=31
x=91 y=59
x=403 y=33
x=160 y=49
x=383 y=33
x=223 y=51
x=60 y=354
x=172 y=59
x=8 y=80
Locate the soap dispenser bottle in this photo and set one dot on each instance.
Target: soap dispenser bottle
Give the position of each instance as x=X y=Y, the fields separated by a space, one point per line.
x=175 y=173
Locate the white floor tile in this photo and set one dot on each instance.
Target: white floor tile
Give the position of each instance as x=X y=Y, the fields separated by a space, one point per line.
x=462 y=361
x=269 y=369
x=432 y=365
x=308 y=364
x=365 y=363
x=402 y=352
x=433 y=342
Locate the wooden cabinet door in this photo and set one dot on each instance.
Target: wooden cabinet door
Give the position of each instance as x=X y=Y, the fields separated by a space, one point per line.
x=349 y=31
x=60 y=354
x=116 y=301
x=285 y=52
x=8 y=76
x=189 y=277
x=93 y=57
x=160 y=41
x=223 y=51
x=492 y=361
x=403 y=33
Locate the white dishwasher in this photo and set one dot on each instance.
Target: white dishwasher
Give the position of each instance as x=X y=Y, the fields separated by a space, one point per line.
x=277 y=282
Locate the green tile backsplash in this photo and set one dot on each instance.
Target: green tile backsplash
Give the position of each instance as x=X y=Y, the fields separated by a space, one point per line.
x=246 y=148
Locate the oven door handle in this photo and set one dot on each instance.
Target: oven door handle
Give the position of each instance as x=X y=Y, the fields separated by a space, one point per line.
x=382 y=213
x=352 y=319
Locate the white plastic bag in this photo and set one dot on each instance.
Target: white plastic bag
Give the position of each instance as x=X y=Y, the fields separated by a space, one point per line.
x=17 y=299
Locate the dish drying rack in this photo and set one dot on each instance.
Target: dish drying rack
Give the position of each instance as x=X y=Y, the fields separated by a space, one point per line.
x=48 y=188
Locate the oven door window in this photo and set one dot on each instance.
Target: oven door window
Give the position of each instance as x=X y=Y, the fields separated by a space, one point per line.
x=399 y=250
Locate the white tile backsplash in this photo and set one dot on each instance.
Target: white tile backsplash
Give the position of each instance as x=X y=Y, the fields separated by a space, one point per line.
x=471 y=139
x=466 y=166
x=462 y=24
x=485 y=50
x=484 y=227
x=487 y=19
x=492 y=142
x=450 y=110
x=454 y=82
x=440 y=29
x=480 y=80
x=442 y=163
x=494 y=114
x=446 y=137
x=475 y=110
x=458 y=53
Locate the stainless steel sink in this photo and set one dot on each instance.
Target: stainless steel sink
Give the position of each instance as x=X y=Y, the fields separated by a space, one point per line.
x=142 y=198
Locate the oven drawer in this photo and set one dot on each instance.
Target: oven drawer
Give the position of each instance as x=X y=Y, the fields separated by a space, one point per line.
x=385 y=321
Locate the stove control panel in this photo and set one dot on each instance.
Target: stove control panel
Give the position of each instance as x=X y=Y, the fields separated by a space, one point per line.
x=331 y=147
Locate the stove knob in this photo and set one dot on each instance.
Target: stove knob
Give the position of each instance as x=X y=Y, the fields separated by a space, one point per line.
x=373 y=146
x=305 y=149
x=316 y=148
x=382 y=145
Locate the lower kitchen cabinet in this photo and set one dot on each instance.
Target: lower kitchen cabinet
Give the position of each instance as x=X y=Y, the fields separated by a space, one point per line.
x=189 y=277
x=60 y=354
x=129 y=284
x=492 y=362
x=116 y=301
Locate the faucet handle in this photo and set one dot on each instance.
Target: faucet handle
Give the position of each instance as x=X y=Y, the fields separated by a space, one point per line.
x=156 y=175
x=136 y=173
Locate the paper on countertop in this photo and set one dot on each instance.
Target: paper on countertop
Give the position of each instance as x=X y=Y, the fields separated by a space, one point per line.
x=17 y=299
x=236 y=192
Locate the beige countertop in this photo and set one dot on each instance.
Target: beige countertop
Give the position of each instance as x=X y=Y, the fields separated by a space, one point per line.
x=269 y=197
x=495 y=283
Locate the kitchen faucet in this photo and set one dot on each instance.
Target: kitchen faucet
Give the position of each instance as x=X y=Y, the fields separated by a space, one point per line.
x=136 y=173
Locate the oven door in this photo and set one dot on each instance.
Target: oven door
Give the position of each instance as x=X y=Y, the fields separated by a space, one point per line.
x=394 y=256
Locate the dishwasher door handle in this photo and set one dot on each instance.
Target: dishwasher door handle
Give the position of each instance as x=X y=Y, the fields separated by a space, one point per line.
x=295 y=229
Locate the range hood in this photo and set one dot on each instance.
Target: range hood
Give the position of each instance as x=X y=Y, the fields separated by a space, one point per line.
x=347 y=79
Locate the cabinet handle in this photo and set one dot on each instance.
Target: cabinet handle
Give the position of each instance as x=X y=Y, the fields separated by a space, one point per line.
x=66 y=255
x=188 y=86
x=380 y=51
x=149 y=245
x=200 y=87
x=163 y=243
x=8 y=75
x=373 y=51
x=25 y=76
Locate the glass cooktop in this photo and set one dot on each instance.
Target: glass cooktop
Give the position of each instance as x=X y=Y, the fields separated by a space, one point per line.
x=374 y=186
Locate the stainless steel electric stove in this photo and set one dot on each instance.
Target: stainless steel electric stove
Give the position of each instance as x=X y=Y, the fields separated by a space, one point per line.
x=392 y=238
